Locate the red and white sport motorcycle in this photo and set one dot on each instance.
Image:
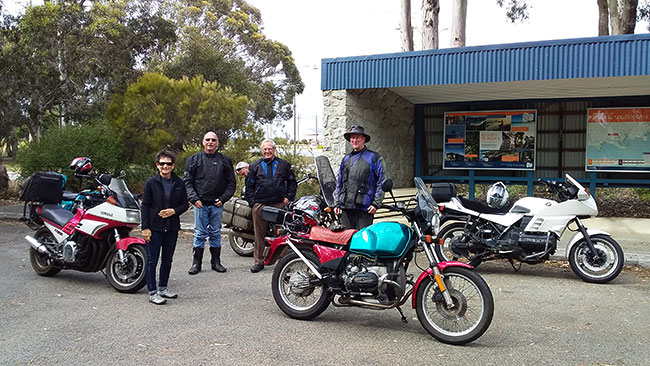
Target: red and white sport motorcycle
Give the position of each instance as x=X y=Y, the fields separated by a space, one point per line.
x=92 y=238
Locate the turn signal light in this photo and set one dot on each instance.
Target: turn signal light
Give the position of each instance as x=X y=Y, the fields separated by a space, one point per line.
x=328 y=209
x=428 y=239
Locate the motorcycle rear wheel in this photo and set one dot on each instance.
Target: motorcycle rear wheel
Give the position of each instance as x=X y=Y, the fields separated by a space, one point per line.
x=444 y=251
x=127 y=277
x=42 y=264
x=468 y=319
x=241 y=246
x=601 y=270
x=293 y=293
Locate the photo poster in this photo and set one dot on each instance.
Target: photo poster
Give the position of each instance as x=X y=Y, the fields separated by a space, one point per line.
x=490 y=140
x=618 y=139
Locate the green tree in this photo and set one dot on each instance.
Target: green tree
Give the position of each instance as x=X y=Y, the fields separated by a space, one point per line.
x=222 y=40
x=61 y=61
x=157 y=112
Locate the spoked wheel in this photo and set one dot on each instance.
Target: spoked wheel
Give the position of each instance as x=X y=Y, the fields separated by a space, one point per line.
x=296 y=289
x=241 y=246
x=42 y=264
x=597 y=269
x=451 y=234
x=127 y=276
x=471 y=314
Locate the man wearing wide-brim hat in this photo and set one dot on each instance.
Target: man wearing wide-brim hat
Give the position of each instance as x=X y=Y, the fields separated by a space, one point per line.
x=358 y=186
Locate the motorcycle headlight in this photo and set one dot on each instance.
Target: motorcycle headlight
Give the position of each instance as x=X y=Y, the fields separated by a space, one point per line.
x=133 y=216
x=435 y=224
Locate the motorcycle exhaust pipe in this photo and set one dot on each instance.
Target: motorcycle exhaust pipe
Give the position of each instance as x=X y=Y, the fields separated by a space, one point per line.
x=38 y=246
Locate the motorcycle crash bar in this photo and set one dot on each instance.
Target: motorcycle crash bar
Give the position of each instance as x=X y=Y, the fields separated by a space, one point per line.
x=37 y=245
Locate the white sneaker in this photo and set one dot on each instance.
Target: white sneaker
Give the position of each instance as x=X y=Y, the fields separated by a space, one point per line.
x=167 y=293
x=156 y=299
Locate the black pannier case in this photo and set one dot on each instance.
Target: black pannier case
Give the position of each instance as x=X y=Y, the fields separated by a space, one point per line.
x=443 y=192
x=42 y=187
x=273 y=215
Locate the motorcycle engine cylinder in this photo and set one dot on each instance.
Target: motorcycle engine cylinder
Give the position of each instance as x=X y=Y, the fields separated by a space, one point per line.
x=70 y=251
x=365 y=280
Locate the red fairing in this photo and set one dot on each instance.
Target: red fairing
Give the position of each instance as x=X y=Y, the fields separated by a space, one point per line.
x=429 y=272
x=275 y=244
x=72 y=224
x=124 y=243
x=326 y=254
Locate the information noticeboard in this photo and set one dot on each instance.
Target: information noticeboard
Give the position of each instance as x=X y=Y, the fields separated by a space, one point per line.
x=618 y=139
x=490 y=140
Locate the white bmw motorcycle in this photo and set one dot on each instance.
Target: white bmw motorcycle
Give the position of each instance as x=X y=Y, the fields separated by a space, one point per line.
x=528 y=231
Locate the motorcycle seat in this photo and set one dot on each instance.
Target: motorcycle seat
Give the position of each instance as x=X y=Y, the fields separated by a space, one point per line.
x=69 y=196
x=319 y=233
x=483 y=208
x=56 y=214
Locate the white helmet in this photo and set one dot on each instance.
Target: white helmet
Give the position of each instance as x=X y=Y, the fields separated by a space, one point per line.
x=497 y=195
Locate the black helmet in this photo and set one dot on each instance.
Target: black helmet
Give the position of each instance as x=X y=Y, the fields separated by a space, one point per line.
x=81 y=165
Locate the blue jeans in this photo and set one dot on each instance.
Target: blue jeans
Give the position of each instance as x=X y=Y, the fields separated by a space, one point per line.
x=207 y=223
x=164 y=241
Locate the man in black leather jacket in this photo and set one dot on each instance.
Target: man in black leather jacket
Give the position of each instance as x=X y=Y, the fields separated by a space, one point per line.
x=210 y=181
x=270 y=182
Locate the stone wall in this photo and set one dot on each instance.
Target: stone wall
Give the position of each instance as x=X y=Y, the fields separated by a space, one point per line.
x=385 y=116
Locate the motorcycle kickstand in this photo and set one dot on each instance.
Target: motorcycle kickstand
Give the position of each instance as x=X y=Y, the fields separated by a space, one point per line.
x=512 y=263
x=402 y=314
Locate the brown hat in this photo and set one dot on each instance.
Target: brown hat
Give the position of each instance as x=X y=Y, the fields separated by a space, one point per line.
x=356 y=129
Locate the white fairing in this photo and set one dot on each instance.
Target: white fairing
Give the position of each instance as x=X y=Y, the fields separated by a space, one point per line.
x=59 y=235
x=108 y=212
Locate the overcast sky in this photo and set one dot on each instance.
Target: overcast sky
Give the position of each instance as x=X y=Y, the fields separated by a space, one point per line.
x=317 y=29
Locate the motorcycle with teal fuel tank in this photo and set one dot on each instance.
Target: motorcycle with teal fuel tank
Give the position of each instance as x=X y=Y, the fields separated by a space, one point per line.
x=369 y=269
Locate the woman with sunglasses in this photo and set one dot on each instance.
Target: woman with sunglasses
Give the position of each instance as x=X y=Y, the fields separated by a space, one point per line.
x=163 y=202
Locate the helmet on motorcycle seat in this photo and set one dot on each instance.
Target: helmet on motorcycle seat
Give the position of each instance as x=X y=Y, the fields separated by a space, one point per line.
x=308 y=208
x=497 y=195
x=81 y=165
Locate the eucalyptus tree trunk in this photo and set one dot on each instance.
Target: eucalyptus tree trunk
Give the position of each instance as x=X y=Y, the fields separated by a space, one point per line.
x=406 y=30
x=458 y=21
x=430 y=11
x=622 y=15
x=603 y=18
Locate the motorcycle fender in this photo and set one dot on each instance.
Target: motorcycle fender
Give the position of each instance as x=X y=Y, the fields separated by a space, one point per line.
x=126 y=242
x=429 y=272
x=578 y=236
x=276 y=250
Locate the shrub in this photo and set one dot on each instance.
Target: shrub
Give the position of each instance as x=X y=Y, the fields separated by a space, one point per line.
x=57 y=147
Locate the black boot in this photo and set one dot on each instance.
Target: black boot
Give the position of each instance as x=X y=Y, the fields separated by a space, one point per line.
x=196 y=262
x=216 y=260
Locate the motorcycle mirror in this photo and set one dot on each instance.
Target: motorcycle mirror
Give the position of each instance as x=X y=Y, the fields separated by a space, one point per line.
x=104 y=179
x=387 y=186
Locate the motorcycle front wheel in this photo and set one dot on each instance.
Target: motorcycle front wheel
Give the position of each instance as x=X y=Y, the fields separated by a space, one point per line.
x=43 y=264
x=597 y=269
x=241 y=246
x=449 y=232
x=127 y=276
x=471 y=314
x=294 y=290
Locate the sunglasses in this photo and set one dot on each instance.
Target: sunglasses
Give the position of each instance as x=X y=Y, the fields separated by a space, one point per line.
x=210 y=140
x=168 y=163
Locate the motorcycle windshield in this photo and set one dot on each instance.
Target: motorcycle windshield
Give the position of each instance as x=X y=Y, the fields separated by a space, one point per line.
x=122 y=194
x=426 y=205
x=326 y=179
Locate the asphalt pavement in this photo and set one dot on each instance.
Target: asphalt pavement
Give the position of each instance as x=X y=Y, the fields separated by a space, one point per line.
x=544 y=315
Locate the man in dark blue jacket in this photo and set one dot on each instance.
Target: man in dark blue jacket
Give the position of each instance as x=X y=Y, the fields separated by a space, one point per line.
x=210 y=181
x=270 y=182
x=358 y=187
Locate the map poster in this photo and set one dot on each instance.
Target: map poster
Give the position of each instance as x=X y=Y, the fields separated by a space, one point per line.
x=617 y=139
x=490 y=140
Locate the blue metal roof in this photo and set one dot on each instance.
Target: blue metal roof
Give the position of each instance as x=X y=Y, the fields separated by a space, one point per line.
x=610 y=56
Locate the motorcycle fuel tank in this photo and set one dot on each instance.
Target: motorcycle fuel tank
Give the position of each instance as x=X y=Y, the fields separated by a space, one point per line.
x=382 y=240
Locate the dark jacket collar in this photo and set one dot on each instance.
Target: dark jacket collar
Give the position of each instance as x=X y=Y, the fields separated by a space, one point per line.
x=365 y=148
